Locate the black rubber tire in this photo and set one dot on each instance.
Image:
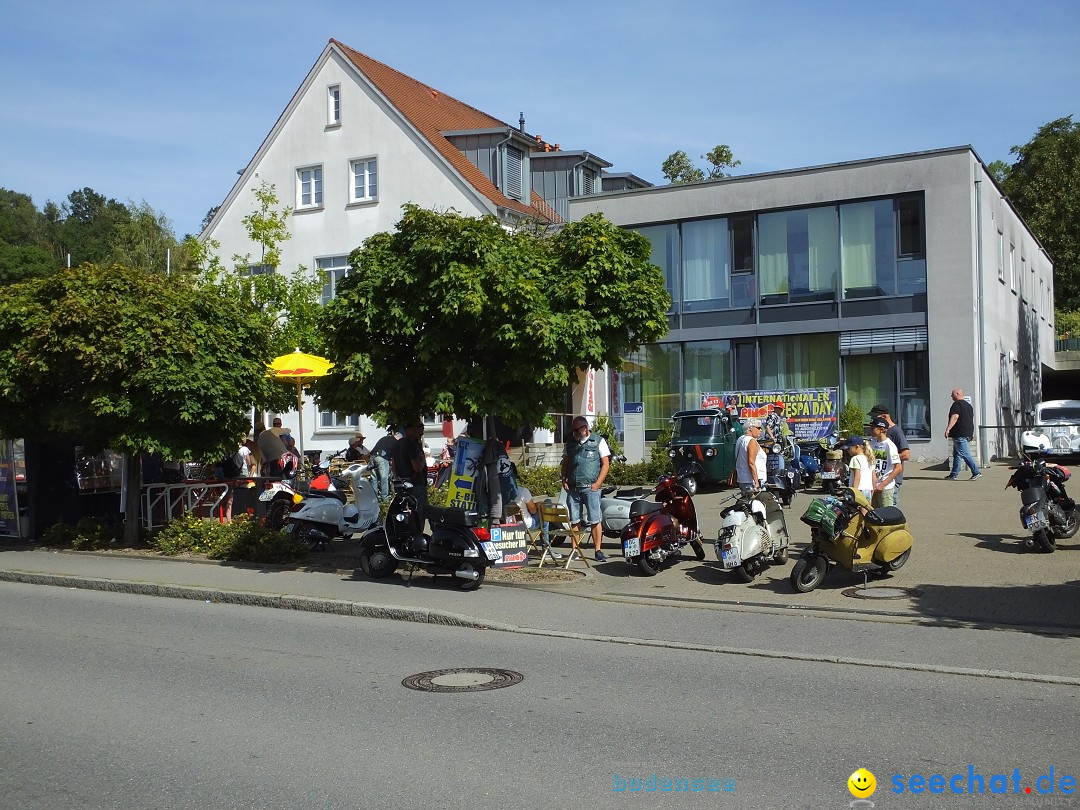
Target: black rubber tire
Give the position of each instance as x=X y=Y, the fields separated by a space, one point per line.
x=1045 y=541
x=898 y=563
x=690 y=482
x=276 y=513
x=378 y=564
x=743 y=574
x=808 y=573
x=647 y=568
x=699 y=550
x=780 y=557
x=471 y=584
x=1069 y=530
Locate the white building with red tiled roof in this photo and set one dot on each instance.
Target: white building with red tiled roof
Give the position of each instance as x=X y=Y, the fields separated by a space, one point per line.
x=358 y=140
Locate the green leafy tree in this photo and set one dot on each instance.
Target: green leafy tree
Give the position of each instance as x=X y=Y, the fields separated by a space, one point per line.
x=1044 y=185
x=145 y=241
x=454 y=314
x=679 y=169
x=87 y=228
x=24 y=247
x=135 y=361
x=290 y=304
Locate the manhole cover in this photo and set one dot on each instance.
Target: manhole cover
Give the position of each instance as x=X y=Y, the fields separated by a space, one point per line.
x=881 y=592
x=472 y=679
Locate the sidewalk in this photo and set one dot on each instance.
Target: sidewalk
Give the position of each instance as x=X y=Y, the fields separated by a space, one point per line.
x=968 y=569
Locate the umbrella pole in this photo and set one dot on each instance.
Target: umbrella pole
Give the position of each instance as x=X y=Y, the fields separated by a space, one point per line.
x=300 y=410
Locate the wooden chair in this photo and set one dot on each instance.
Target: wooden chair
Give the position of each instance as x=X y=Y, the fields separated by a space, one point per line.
x=555 y=519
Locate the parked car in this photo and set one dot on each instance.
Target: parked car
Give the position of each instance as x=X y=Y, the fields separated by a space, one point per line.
x=1056 y=430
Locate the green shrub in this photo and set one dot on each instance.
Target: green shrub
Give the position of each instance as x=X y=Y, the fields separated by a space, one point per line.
x=540 y=480
x=852 y=419
x=606 y=427
x=245 y=539
x=89 y=534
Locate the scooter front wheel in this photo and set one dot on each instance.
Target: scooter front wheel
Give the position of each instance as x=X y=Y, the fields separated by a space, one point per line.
x=378 y=564
x=808 y=573
x=898 y=563
x=690 y=483
x=699 y=550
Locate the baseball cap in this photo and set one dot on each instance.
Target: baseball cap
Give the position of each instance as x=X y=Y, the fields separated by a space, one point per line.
x=880 y=421
x=853 y=441
x=878 y=410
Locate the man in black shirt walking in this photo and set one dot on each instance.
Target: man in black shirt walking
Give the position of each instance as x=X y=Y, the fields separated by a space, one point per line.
x=961 y=429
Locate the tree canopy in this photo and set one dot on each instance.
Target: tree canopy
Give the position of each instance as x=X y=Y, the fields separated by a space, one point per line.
x=1044 y=185
x=455 y=314
x=135 y=361
x=679 y=169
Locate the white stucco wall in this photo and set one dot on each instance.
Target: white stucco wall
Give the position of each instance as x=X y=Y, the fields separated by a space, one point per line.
x=409 y=170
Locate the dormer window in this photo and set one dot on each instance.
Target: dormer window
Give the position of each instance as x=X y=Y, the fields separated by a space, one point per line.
x=588 y=181
x=514 y=160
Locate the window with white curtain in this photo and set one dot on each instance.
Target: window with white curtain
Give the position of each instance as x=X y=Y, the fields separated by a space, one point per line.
x=665 y=253
x=868 y=248
x=800 y=361
x=364 y=180
x=706 y=367
x=798 y=255
x=706 y=260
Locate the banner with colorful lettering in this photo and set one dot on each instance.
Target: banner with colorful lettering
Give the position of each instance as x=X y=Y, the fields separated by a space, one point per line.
x=809 y=413
x=464 y=473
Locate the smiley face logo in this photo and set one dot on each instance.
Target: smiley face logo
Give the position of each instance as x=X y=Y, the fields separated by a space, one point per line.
x=862 y=784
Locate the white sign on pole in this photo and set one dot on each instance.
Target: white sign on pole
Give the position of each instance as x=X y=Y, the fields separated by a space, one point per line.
x=634 y=431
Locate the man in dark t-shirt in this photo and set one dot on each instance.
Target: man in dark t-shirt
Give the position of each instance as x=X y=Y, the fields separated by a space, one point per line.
x=961 y=429
x=382 y=459
x=411 y=466
x=896 y=435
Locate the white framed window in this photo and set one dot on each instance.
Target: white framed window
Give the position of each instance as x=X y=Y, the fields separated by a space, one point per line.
x=333 y=270
x=333 y=105
x=364 y=180
x=1001 y=257
x=338 y=421
x=257 y=270
x=309 y=191
x=1012 y=267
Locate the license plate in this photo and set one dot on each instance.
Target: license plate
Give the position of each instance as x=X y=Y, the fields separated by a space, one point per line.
x=829 y=475
x=730 y=557
x=1034 y=523
x=491 y=551
x=631 y=548
x=266 y=495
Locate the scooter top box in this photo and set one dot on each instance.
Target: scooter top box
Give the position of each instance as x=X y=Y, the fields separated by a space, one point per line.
x=451 y=516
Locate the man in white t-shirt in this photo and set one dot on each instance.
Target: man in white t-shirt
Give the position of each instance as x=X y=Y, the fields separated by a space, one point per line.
x=887 y=464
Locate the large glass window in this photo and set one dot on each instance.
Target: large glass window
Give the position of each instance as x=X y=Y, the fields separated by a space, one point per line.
x=665 y=254
x=798 y=255
x=706 y=367
x=900 y=380
x=867 y=249
x=706 y=264
x=651 y=376
x=800 y=361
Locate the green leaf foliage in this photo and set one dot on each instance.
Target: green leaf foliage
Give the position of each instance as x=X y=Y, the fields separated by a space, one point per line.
x=136 y=361
x=454 y=314
x=1044 y=185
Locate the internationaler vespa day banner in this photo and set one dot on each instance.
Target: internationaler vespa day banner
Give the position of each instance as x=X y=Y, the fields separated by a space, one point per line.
x=810 y=413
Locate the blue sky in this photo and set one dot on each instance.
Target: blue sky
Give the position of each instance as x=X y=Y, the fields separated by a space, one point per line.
x=163 y=101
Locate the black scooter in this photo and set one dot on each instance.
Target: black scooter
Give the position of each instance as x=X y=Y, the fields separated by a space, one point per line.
x=457 y=545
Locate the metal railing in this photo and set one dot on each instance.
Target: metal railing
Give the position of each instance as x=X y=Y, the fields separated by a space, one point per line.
x=165 y=502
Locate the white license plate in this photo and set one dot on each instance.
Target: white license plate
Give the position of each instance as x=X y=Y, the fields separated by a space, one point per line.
x=631 y=548
x=829 y=475
x=730 y=557
x=266 y=495
x=1034 y=523
x=491 y=551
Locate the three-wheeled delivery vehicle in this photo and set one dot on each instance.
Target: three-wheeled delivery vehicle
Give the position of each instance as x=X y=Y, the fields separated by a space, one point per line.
x=702 y=449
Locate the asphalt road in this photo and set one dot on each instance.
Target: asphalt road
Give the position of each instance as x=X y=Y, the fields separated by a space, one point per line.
x=122 y=701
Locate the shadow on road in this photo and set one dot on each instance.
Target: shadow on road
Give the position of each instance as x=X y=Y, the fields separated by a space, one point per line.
x=1055 y=607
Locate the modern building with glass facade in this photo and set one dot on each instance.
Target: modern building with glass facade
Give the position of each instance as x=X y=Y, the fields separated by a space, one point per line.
x=895 y=279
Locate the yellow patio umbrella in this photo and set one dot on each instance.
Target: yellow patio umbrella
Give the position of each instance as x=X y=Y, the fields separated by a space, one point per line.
x=301 y=369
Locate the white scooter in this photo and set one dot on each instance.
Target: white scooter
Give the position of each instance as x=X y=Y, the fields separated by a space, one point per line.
x=753 y=535
x=325 y=513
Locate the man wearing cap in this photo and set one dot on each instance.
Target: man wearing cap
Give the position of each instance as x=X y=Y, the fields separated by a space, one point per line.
x=897 y=437
x=887 y=464
x=357 y=451
x=750 y=458
x=774 y=423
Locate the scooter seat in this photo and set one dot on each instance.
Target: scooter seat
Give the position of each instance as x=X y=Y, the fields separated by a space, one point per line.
x=336 y=494
x=890 y=516
x=643 y=507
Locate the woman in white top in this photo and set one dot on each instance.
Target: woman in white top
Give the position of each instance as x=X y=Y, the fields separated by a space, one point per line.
x=860 y=465
x=750 y=458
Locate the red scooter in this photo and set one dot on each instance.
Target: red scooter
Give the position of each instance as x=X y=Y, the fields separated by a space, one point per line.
x=659 y=529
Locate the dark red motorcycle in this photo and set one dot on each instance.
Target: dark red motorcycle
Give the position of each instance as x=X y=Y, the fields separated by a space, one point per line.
x=659 y=529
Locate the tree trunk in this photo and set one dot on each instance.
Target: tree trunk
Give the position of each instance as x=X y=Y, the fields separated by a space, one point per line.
x=133 y=485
